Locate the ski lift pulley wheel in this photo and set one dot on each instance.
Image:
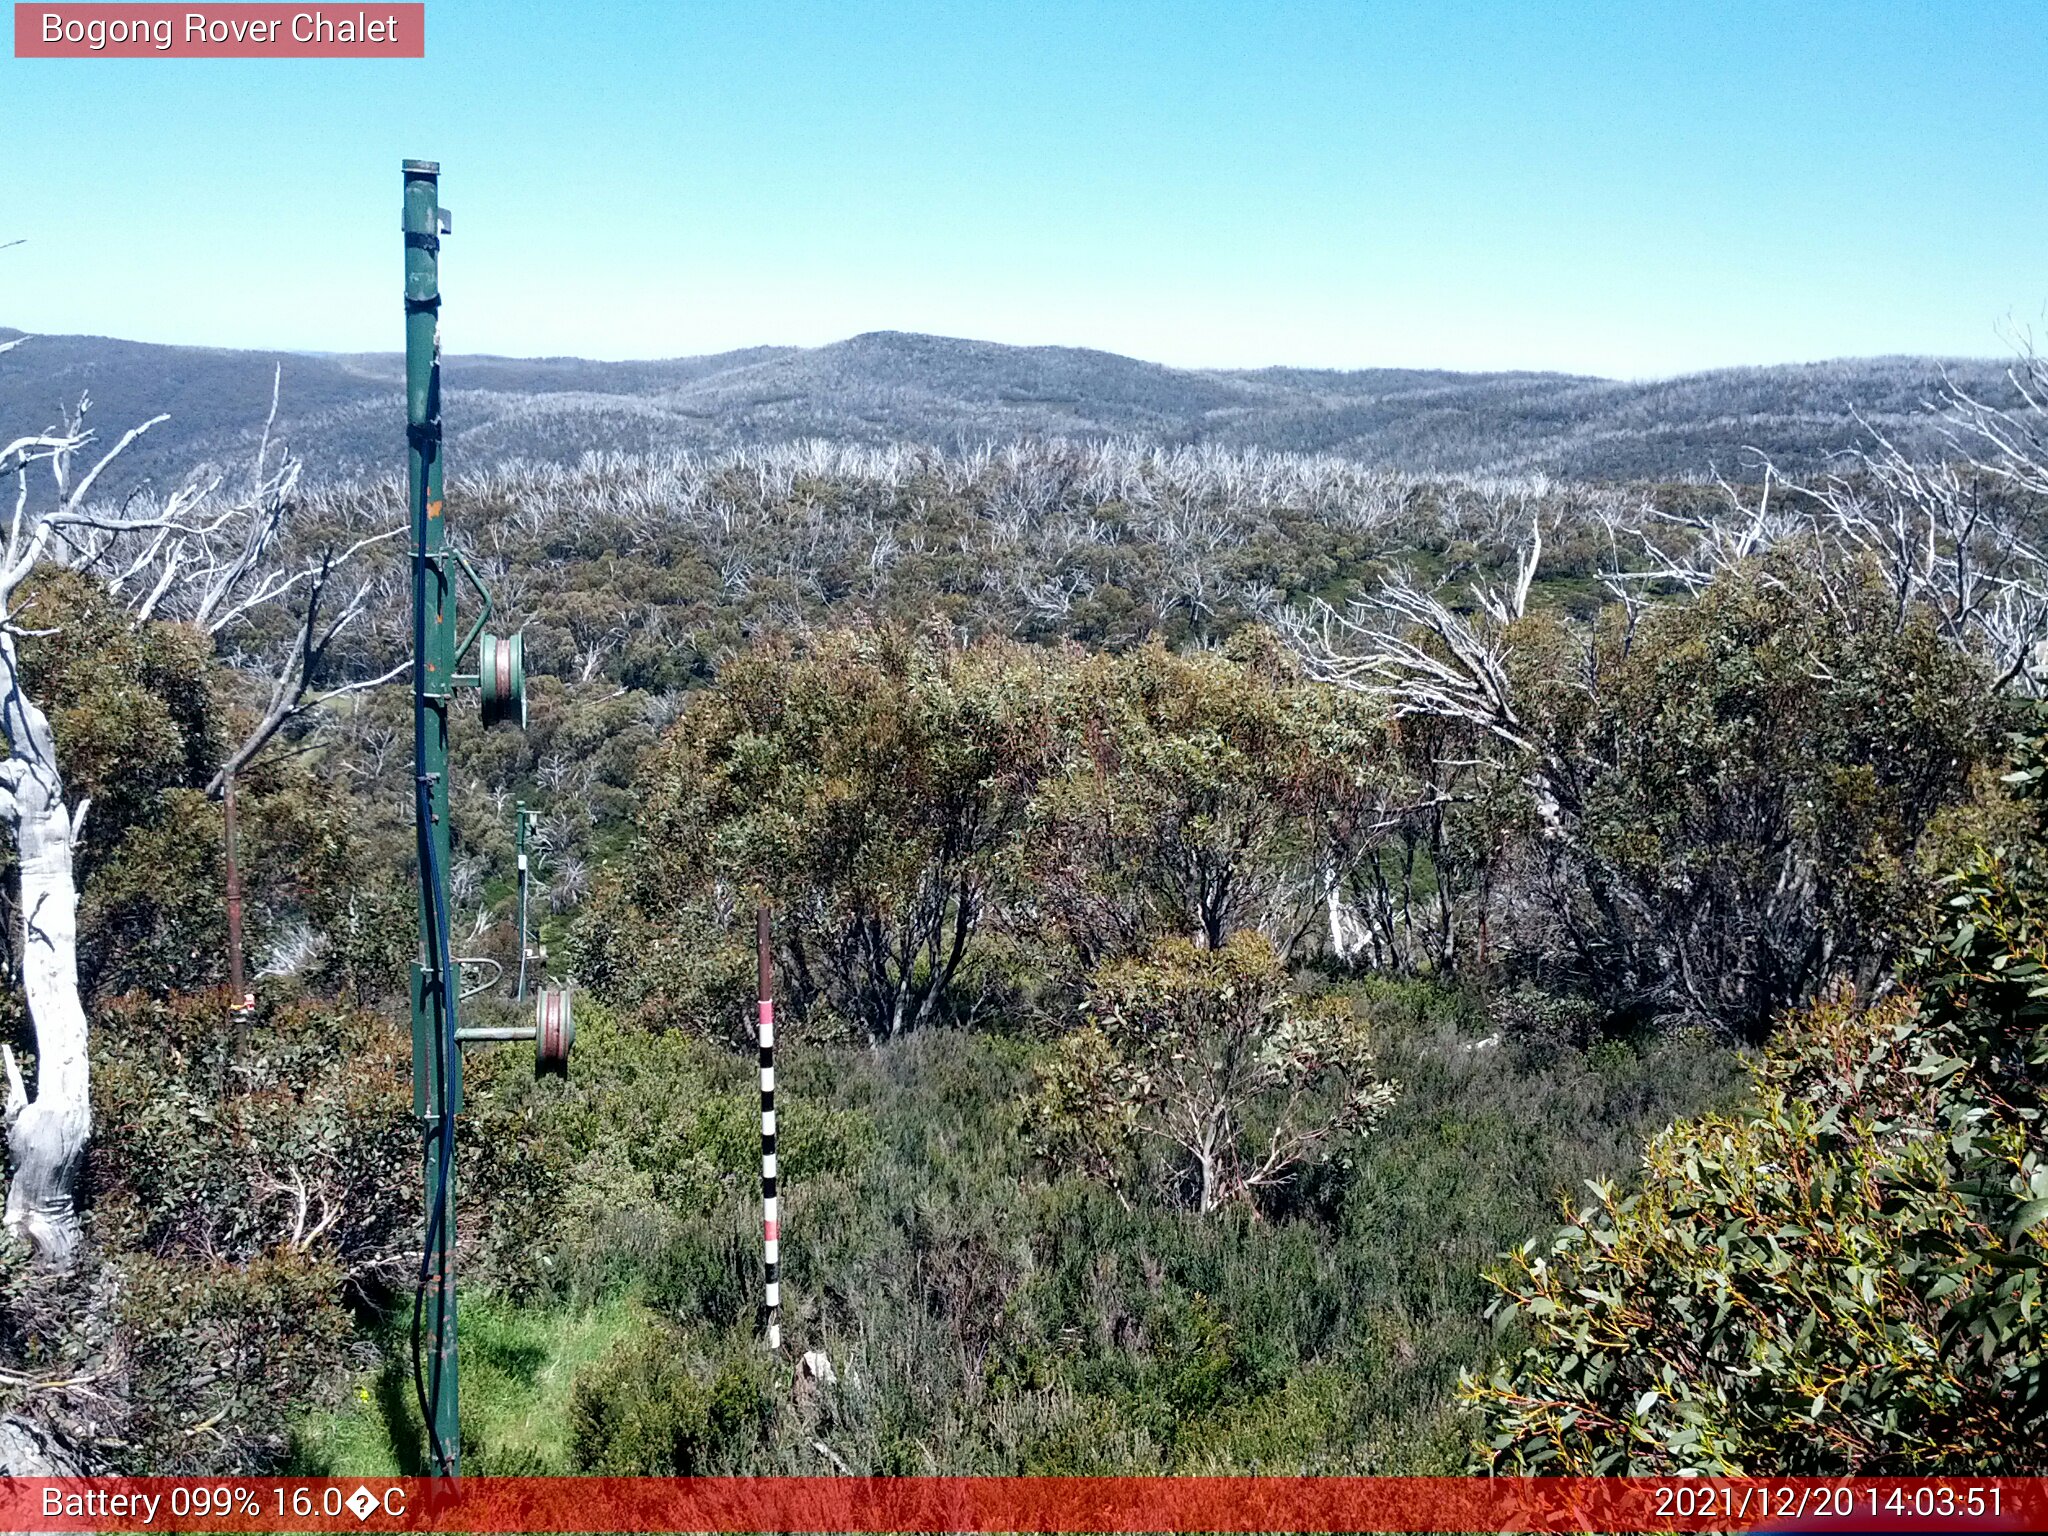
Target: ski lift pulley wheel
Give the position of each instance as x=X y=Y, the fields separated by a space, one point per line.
x=501 y=678
x=554 y=1032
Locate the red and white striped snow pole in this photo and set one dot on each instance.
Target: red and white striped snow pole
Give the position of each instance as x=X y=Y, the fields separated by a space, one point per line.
x=771 y=1225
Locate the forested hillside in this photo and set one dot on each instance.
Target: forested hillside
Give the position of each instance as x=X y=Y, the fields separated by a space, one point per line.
x=1289 y=962
x=886 y=388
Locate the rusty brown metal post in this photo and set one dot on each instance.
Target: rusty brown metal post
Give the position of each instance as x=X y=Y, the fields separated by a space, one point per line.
x=237 y=980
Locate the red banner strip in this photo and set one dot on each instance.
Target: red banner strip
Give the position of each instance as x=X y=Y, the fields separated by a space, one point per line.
x=370 y=30
x=976 y=1504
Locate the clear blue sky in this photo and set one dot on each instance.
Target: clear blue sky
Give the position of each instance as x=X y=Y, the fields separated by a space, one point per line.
x=1626 y=188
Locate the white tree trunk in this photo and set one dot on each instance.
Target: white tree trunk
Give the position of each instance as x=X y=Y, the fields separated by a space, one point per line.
x=27 y=1449
x=46 y=1135
x=1348 y=934
x=185 y=559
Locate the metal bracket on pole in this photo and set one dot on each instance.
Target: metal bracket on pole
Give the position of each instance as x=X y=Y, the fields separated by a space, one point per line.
x=483 y=592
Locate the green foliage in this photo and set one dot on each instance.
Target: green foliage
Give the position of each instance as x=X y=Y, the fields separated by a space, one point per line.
x=871 y=782
x=644 y=1412
x=1985 y=965
x=1801 y=1289
x=1208 y=1052
x=990 y=1315
x=1733 y=798
x=1197 y=796
x=672 y=966
x=131 y=937
x=372 y=936
x=141 y=718
x=1743 y=786
x=131 y=706
x=1850 y=1276
x=927 y=816
x=1528 y=1013
x=632 y=1167
x=133 y=714
x=219 y=1355
x=297 y=1134
x=242 y=1198
x=520 y=1364
x=1087 y=1103
x=1420 y=857
x=956 y=833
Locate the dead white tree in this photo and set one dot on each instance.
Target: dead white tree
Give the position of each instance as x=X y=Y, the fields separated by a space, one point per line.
x=1421 y=657
x=198 y=557
x=1446 y=668
x=1954 y=543
x=298 y=683
x=216 y=571
x=47 y=1134
x=1953 y=538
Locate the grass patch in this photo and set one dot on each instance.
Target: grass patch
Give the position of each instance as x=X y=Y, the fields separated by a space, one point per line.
x=519 y=1363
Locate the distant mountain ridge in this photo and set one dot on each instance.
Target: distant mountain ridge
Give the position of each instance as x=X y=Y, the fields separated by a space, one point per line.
x=342 y=411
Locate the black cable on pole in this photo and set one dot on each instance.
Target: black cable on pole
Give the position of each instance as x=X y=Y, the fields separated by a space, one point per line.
x=427 y=1379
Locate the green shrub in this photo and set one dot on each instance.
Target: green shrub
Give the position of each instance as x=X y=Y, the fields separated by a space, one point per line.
x=1534 y=1016
x=301 y=1139
x=1742 y=782
x=1791 y=1290
x=679 y=968
x=708 y=1269
x=243 y=1200
x=215 y=1359
x=629 y=1170
x=1208 y=1054
x=1848 y=1278
x=1197 y=796
x=990 y=1315
x=644 y=1412
x=873 y=782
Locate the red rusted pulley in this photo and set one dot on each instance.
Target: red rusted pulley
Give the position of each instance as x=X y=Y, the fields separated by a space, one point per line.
x=554 y=1032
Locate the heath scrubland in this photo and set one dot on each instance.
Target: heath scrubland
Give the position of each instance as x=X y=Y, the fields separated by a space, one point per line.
x=1285 y=965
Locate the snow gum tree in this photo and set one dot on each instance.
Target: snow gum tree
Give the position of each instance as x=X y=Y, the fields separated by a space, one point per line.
x=1208 y=1057
x=197 y=557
